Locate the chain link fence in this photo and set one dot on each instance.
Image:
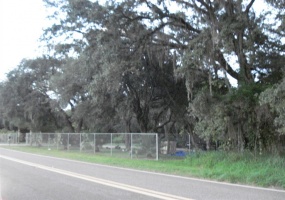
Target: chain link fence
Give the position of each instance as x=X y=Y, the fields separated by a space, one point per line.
x=128 y=145
x=9 y=138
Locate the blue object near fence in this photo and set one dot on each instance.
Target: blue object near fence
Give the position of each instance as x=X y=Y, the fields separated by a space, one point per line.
x=180 y=153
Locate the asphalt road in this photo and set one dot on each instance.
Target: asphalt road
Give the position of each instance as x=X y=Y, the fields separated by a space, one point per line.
x=27 y=176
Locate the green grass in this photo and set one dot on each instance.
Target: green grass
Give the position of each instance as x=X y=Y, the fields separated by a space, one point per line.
x=265 y=171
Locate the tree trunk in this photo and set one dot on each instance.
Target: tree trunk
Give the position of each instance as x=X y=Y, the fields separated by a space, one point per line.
x=207 y=144
x=240 y=139
x=79 y=126
x=166 y=133
x=67 y=121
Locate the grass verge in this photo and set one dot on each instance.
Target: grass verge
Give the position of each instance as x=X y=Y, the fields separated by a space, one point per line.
x=265 y=171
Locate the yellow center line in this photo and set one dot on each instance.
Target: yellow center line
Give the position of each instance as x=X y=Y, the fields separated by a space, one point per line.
x=113 y=184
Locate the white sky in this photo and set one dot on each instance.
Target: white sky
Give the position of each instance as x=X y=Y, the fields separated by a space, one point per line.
x=21 y=23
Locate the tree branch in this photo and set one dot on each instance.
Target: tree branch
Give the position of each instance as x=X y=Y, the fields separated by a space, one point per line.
x=249 y=6
x=224 y=64
x=172 y=16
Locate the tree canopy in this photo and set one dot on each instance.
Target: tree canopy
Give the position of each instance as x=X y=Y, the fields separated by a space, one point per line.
x=211 y=69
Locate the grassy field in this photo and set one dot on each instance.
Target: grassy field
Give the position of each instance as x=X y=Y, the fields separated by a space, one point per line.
x=265 y=171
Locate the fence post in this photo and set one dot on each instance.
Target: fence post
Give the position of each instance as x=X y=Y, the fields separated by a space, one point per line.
x=67 y=141
x=156 y=138
x=48 y=140
x=18 y=136
x=26 y=138
x=189 y=143
x=57 y=140
x=80 y=142
x=94 y=135
x=131 y=146
x=111 y=144
x=30 y=138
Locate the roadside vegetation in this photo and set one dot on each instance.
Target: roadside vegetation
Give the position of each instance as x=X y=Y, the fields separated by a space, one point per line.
x=204 y=74
x=246 y=168
x=209 y=70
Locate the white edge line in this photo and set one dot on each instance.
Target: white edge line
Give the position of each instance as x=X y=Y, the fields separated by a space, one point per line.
x=157 y=173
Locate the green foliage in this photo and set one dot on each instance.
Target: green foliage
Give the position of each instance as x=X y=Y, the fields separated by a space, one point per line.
x=237 y=168
x=211 y=120
x=275 y=98
x=235 y=120
x=247 y=93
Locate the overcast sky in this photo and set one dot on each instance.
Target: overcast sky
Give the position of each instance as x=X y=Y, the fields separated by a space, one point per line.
x=21 y=23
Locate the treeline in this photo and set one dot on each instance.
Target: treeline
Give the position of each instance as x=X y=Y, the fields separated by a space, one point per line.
x=213 y=70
